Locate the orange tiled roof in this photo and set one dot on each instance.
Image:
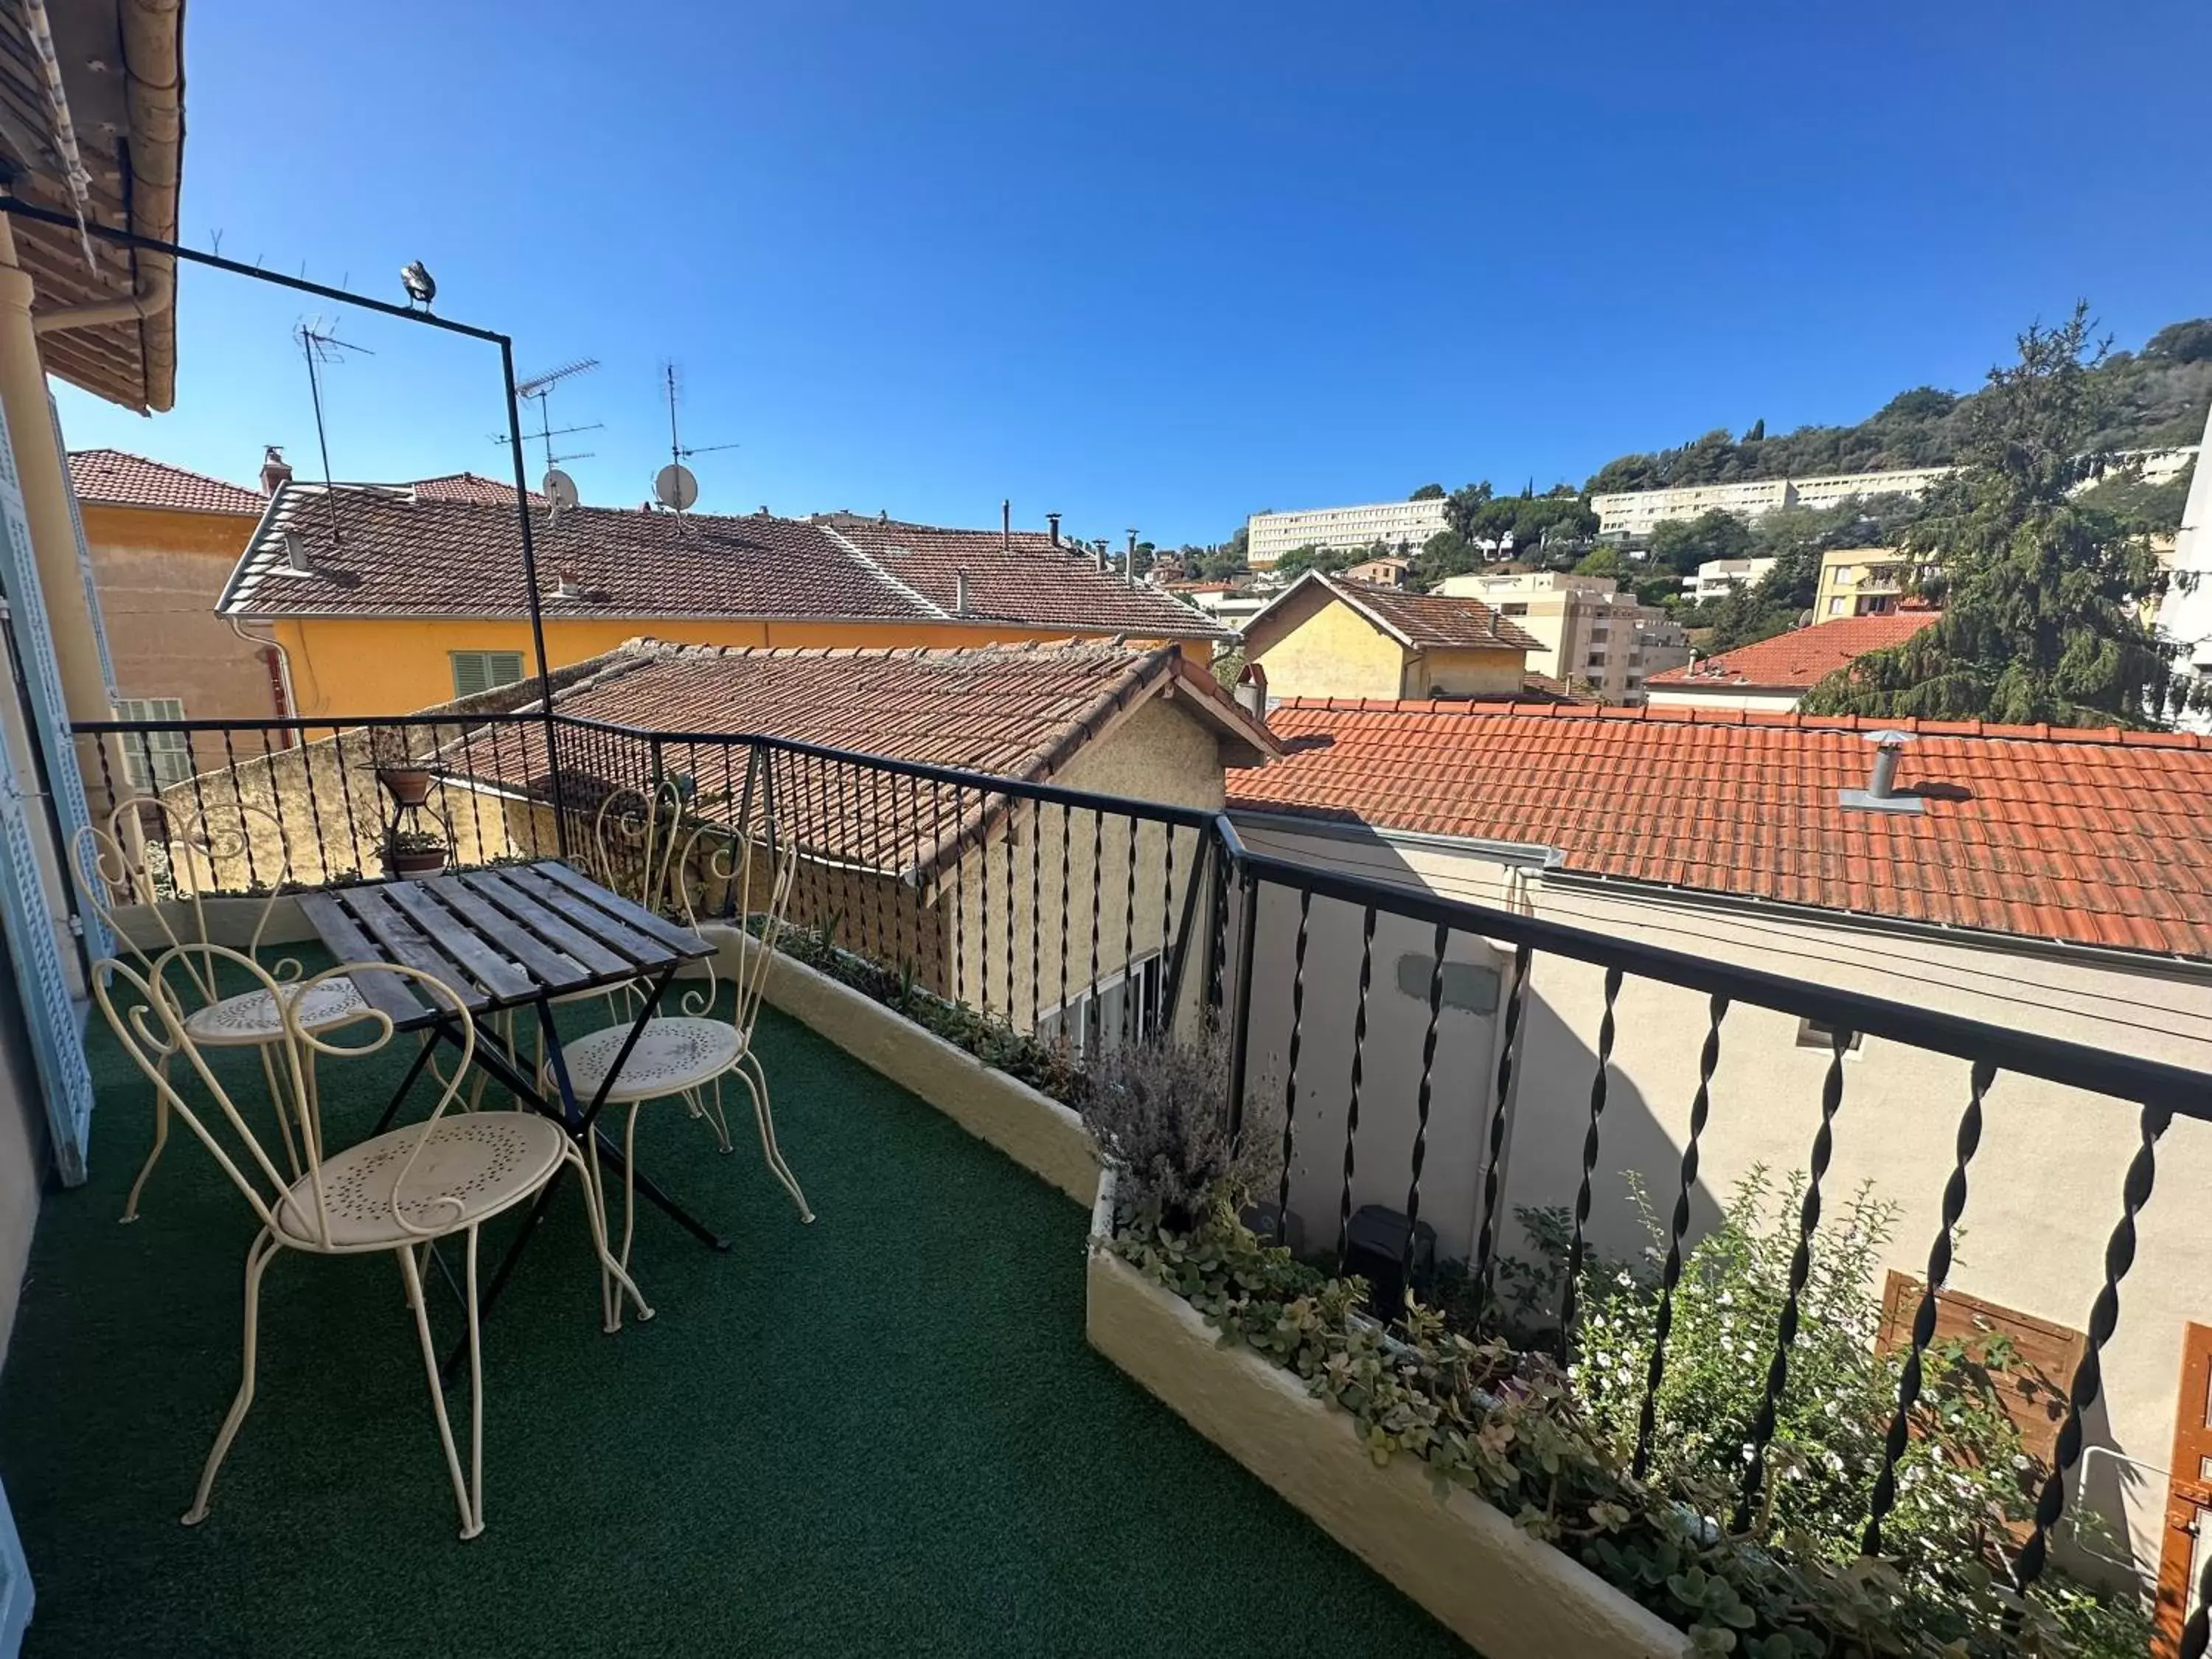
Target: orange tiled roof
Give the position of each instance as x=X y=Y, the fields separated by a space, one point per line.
x=115 y=477
x=1418 y=621
x=467 y=487
x=2099 y=837
x=1797 y=660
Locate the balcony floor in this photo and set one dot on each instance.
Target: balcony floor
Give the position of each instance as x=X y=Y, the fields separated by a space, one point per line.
x=883 y=1433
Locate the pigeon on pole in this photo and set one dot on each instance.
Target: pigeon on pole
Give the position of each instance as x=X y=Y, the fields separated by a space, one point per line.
x=421 y=291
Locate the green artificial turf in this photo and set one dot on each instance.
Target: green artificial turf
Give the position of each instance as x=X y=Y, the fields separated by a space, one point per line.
x=880 y=1434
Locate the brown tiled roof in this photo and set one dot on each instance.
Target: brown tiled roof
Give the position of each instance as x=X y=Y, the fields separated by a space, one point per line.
x=1420 y=622
x=115 y=477
x=1016 y=711
x=394 y=553
x=1797 y=660
x=2088 y=837
x=1027 y=578
x=467 y=487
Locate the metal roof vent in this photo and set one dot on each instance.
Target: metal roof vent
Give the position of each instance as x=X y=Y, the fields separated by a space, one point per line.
x=1881 y=793
x=295 y=561
x=566 y=587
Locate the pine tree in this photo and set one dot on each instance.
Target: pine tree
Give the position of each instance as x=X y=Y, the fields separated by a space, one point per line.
x=2042 y=597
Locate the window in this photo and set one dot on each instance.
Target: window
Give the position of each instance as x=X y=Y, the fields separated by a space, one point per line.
x=1095 y=1023
x=480 y=671
x=1513 y=608
x=1836 y=605
x=153 y=760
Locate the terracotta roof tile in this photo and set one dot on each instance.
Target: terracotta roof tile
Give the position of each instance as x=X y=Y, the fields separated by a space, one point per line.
x=115 y=477
x=1796 y=660
x=2099 y=839
x=467 y=487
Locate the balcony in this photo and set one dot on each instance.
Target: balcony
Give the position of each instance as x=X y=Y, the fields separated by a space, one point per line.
x=882 y=1433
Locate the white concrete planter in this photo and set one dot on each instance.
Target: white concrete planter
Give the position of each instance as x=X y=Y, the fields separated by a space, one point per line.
x=1035 y=1131
x=1507 y=1594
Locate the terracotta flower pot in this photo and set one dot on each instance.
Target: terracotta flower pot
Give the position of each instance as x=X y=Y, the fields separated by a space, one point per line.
x=418 y=861
x=408 y=786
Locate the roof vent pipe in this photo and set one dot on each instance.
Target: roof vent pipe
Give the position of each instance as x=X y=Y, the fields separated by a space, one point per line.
x=1006 y=526
x=1098 y=547
x=959 y=593
x=1052 y=523
x=1881 y=793
x=296 y=562
x=1130 y=561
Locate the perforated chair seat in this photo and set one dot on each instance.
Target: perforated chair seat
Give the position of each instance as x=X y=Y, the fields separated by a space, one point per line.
x=671 y=1055
x=250 y=1019
x=473 y=1166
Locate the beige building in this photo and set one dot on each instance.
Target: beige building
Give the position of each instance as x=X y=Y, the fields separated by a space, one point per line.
x=1859 y=582
x=1326 y=636
x=1717 y=578
x=1388 y=572
x=1399 y=525
x=1732 y=838
x=1589 y=635
x=1636 y=512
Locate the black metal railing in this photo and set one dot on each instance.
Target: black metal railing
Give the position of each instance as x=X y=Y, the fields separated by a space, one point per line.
x=1095 y=919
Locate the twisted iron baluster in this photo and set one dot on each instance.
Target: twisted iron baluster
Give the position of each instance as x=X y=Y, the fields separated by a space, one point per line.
x=983 y=902
x=1290 y=1082
x=1036 y=911
x=921 y=942
x=1129 y=944
x=1098 y=877
x=1359 y=1067
x=1801 y=1269
x=1421 y=1101
x=959 y=895
x=1013 y=818
x=315 y=807
x=1217 y=965
x=1671 y=1275
x=276 y=806
x=1571 y=1294
x=1066 y=836
x=1923 y=1319
x=2103 y=1319
x=1167 y=922
x=1485 y=1256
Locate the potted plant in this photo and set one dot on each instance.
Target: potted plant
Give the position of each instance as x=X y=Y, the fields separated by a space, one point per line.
x=414 y=852
x=408 y=786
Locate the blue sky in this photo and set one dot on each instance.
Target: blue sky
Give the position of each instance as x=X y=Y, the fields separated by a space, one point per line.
x=1157 y=265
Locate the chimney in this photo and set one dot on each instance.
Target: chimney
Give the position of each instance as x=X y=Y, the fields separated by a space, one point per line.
x=1881 y=793
x=1052 y=523
x=959 y=593
x=1130 y=561
x=565 y=585
x=1098 y=547
x=1006 y=526
x=274 y=469
x=1252 y=691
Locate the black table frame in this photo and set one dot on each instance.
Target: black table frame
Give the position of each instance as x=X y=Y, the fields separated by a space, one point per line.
x=394 y=921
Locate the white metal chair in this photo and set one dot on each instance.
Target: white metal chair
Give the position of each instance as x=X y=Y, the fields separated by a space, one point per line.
x=400 y=1191
x=687 y=1056
x=120 y=856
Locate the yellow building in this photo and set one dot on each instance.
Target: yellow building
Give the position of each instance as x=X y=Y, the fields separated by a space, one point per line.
x=387 y=600
x=1859 y=582
x=1325 y=636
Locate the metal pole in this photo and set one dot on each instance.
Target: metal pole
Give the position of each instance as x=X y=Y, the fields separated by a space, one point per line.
x=530 y=592
x=23 y=209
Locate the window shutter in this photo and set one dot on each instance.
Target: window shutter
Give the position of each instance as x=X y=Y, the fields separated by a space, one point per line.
x=502 y=667
x=470 y=675
x=15 y=1597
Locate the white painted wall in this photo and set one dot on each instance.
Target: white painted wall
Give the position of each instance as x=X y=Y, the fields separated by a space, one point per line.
x=2045 y=1188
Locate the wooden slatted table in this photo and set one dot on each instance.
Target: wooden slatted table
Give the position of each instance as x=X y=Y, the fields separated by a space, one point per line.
x=507 y=937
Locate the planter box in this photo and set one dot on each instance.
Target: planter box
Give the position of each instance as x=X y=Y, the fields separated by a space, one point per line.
x=1035 y=1131
x=1507 y=1594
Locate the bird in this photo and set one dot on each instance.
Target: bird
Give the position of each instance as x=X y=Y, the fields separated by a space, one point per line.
x=421 y=291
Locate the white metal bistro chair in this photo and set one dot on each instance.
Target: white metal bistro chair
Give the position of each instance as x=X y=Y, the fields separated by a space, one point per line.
x=400 y=1191
x=687 y=1056
x=131 y=855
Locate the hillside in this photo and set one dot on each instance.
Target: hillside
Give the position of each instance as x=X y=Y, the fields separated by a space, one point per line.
x=2158 y=397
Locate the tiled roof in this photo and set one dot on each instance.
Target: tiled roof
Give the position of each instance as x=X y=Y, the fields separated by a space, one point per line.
x=1026 y=578
x=2088 y=837
x=1797 y=660
x=115 y=477
x=467 y=487
x=1420 y=622
x=1019 y=711
x=394 y=553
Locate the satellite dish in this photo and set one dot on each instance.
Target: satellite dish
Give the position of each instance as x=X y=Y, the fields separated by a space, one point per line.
x=560 y=489
x=674 y=486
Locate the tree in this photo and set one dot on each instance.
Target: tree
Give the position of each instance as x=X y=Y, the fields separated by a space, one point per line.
x=1758 y=432
x=1462 y=504
x=1327 y=561
x=1427 y=493
x=1683 y=544
x=2182 y=343
x=1600 y=561
x=2042 y=596
x=1447 y=553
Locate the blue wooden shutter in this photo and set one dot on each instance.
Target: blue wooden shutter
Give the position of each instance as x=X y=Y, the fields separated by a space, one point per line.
x=56 y=1044
x=15 y=1597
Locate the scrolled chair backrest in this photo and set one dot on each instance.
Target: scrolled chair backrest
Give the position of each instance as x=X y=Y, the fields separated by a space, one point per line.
x=152 y=1031
x=780 y=872
x=114 y=854
x=656 y=847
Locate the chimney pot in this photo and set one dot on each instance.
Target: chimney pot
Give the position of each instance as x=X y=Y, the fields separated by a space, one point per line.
x=1006 y=526
x=1052 y=523
x=959 y=593
x=274 y=471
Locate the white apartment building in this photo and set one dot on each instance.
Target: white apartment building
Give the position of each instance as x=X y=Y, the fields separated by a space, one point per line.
x=1715 y=577
x=1592 y=634
x=1634 y=511
x=1342 y=529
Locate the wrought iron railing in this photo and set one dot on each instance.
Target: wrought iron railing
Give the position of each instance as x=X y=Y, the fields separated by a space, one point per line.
x=1091 y=919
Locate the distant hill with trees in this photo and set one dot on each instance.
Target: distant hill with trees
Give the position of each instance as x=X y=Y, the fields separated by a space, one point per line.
x=2153 y=399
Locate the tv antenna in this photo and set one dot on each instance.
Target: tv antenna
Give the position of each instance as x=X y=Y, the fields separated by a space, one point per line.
x=676 y=486
x=558 y=487
x=320 y=346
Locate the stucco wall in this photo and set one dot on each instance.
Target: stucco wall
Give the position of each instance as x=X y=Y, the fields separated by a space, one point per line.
x=1462 y=674
x=1334 y=653
x=2045 y=1188
x=1667 y=696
